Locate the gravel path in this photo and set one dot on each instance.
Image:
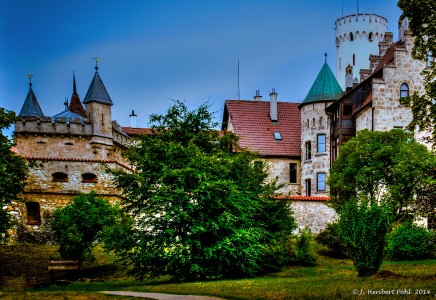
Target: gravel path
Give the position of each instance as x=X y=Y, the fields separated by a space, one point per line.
x=160 y=296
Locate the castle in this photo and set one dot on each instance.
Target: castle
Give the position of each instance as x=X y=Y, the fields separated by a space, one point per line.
x=70 y=151
x=299 y=141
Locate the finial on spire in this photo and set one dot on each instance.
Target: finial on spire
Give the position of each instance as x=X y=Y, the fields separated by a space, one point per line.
x=30 y=79
x=97 y=59
x=66 y=103
x=325 y=57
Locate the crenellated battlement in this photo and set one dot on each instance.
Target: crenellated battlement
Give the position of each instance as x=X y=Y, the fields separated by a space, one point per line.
x=357 y=36
x=55 y=126
x=368 y=27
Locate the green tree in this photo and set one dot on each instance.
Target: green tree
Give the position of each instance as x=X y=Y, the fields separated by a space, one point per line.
x=13 y=173
x=79 y=225
x=381 y=167
x=422 y=22
x=364 y=227
x=200 y=210
x=378 y=176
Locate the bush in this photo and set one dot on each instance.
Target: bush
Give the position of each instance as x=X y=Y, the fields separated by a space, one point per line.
x=364 y=229
x=304 y=252
x=410 y=242
x=78 y=225
x=331 y=238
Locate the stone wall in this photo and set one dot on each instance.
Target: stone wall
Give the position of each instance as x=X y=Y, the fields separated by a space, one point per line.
x=279 y=167
x=388 y=112
x=314 y=121
x=49 y=193
x=313 y=214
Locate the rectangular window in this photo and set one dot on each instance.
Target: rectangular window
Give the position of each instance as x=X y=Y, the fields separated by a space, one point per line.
x=292 y=173
x=33 y=213
x=308 y=187
x=320 y=182
x=277 y=136
x=308 y=150
x=321 y=143
x=348 y=109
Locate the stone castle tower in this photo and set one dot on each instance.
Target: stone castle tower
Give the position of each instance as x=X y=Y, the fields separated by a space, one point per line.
x=71 y=152
x=315 y=132
x=357 y=36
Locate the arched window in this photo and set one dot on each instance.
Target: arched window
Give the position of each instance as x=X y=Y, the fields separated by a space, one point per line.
x=370 y=36
x=89 y=178
x=351 y=37
x=337 y=42
x=404 y=90
x=59 y=177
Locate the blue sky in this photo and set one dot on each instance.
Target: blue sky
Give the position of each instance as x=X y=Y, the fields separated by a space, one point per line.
x=153 y=51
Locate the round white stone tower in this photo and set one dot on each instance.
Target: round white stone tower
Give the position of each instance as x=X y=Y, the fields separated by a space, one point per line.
x=357 y=36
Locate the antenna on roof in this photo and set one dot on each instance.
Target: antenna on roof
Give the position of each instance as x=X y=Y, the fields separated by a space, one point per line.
x=342 y=8
x=239 y=91
x=357 y=15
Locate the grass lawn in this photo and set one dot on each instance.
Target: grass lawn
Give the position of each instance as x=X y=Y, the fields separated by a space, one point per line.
x=330 y=279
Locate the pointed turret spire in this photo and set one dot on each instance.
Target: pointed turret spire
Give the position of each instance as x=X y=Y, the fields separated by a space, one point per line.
x=97 y=91
x=75 y=103
x=74 y=84
x=31 y=106
x=325 y=86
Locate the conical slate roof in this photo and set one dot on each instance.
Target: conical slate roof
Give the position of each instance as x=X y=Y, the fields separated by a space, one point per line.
x=325 y=87
x=97 y=91
x=31 y=106
x=75 y=103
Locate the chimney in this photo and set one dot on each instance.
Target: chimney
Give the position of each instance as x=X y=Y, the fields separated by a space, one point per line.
x=258 y=97
x=133 y=119
x=348 y=77
x=273 y=105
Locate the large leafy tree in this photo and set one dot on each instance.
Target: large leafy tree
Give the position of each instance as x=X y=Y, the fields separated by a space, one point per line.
x=377 y=178
x=383 y=167
x=422 y=22
x=13 y=173
x=200 y=210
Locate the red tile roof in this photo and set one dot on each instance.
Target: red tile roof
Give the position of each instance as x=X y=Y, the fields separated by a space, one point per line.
x=136 y=131
x=252 y=123
x=303 y=198
x=104 y=161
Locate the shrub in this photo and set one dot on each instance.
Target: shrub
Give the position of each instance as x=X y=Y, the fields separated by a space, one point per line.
x=304 y=252
x=364 y=229
x=331 y=238
x=410 y=242
x=78 y=225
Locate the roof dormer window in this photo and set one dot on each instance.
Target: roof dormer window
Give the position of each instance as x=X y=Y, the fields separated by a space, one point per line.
x=278 y=136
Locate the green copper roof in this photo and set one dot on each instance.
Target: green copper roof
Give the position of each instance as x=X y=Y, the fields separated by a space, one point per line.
x=325 y=87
